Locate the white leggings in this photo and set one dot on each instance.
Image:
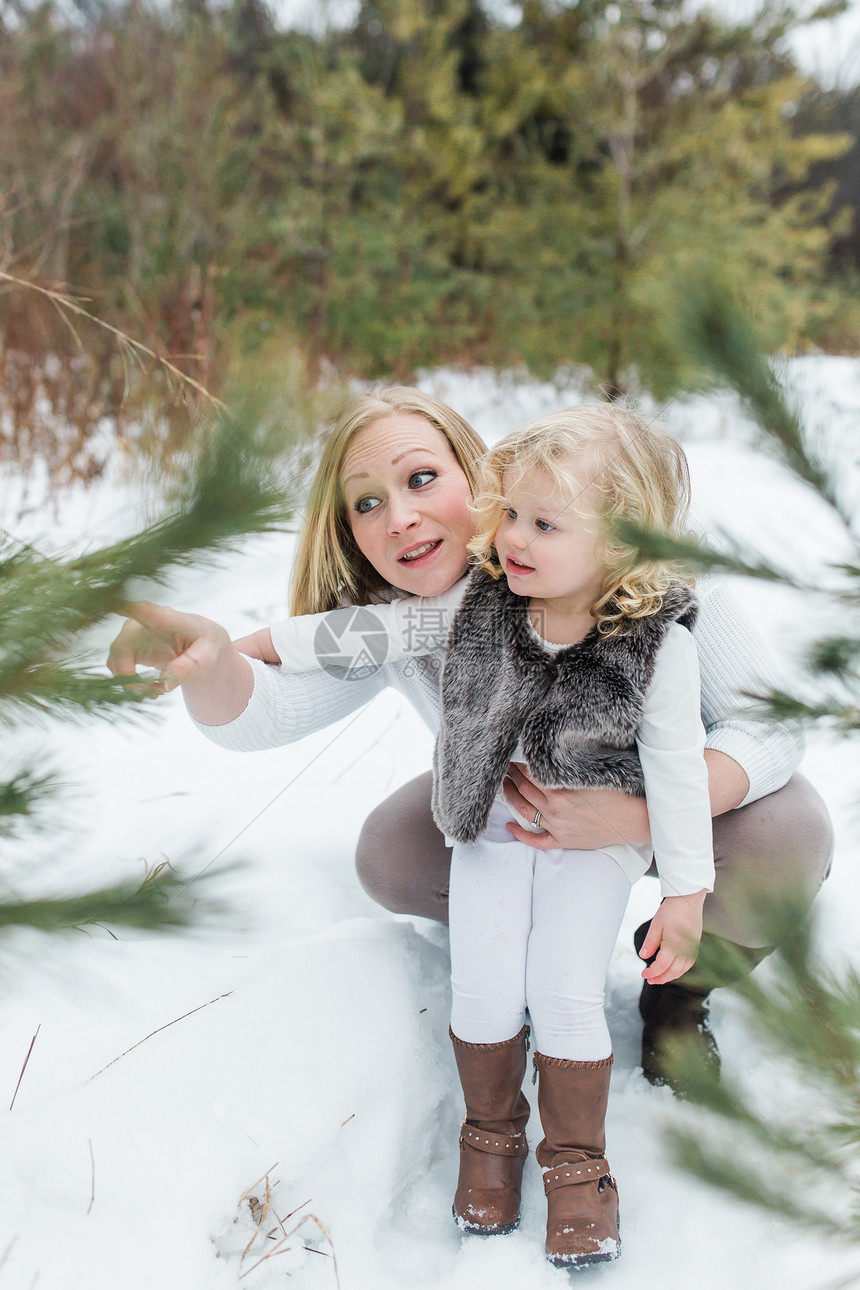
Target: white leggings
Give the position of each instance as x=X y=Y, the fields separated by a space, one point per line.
x=533 y=929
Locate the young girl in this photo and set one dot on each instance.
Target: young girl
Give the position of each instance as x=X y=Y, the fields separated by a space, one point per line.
x=570 y=653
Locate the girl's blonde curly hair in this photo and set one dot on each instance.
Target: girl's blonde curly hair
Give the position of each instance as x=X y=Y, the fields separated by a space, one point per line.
x=607 y=459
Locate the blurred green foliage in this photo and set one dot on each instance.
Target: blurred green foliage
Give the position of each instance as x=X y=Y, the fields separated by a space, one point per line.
x=427 y=185
x=49 y=604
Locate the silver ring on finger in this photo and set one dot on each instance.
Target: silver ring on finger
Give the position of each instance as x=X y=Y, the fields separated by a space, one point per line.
x=536 y=820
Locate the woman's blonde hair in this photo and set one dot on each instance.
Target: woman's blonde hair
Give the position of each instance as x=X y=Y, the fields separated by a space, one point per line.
x=624 y=465
x=329 y=566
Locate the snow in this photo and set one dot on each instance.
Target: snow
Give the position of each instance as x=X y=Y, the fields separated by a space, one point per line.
x=303 y=1038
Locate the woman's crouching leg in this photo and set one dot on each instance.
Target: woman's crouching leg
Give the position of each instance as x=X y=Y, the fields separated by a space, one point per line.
x=401 y=858
x=774 y=850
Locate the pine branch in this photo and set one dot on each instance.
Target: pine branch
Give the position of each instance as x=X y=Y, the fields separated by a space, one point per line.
x=162 y=902
x=831 y=711
x=45 y=602
x=808 y=1016
x=809 y=1020
x=759 y=1186
x=20 y=797
x=56 y=690
x=652 y=544
x=721 y=338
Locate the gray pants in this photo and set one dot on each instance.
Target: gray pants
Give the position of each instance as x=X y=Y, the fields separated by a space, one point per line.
x=781 y=843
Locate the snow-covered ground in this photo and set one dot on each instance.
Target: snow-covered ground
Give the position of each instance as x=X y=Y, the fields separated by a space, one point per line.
x=317 y=1060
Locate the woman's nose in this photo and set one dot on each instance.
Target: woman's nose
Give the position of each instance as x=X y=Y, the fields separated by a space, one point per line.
x=402 y=514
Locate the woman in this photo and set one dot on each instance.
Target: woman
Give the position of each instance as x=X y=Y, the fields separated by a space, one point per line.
x=388 y=512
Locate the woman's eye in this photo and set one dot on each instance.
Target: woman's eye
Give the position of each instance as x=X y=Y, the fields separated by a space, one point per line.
x=544 y=526
x=365 y=505
x=421 y=477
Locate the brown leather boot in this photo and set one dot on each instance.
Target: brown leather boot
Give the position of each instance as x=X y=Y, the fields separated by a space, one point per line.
x=582 y=1198
x=493 y=1145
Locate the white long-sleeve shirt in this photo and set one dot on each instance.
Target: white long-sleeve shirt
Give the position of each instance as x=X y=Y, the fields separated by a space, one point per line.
x=733 y=660
x=670 y=738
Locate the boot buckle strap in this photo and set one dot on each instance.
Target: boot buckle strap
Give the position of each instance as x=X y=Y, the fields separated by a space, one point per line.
x=578 y=1171
x=495 y=1144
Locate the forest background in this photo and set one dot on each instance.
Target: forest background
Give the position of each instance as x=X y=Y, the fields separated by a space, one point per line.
x=425 y=184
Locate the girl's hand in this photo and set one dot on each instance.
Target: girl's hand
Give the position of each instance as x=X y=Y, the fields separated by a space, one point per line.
x=258 y=645
x=673 y=936
x=576 y=819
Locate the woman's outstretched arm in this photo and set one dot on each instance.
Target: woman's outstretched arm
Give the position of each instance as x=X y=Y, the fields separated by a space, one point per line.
x=237 y=702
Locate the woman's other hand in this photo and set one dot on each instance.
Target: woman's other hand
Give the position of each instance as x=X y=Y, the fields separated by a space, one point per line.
x=673 y=936
x=573 y=818
x=190 y=651
x=586 y=819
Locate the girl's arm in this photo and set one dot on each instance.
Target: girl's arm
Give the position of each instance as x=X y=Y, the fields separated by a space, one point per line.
x=258 y=645
x=670 y=741
x=404 y=628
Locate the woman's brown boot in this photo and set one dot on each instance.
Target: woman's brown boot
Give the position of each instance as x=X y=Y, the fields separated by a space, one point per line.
x=493 y=1145
x=582 y=1198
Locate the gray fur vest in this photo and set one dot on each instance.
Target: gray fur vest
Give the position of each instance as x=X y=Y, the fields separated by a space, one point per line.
x=576 y=712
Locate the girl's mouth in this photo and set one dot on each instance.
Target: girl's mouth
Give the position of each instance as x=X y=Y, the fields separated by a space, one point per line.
x=420 y=554
x=514 y=566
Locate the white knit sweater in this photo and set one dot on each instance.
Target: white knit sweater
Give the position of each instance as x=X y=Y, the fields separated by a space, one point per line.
x=285 y=707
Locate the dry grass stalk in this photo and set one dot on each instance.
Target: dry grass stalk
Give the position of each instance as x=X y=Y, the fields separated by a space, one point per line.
x=64 y=302
x=166 y=1026
x=24 y=1067
x=7 y=1252
x=281 y=1248
x=93 y=1176
x=260 y=1211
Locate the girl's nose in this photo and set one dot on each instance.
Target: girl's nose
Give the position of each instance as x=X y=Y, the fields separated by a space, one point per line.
x=514 y=535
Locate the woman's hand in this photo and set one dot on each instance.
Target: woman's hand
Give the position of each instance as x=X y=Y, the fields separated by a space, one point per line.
x=586 y=819
x=578 y=819
x=673 y=936
x=190 y=651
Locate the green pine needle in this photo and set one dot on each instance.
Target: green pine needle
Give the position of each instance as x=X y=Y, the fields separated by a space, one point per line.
x=20 y=798
x=162 y=902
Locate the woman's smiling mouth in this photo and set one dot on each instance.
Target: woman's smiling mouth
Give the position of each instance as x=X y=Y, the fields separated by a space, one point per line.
x=418 y=553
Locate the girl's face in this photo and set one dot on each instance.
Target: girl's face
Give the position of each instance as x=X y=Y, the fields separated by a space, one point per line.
x=406 y=497
x=547 y=548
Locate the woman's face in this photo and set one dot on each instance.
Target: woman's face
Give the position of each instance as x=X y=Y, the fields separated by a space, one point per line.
x=406 y=498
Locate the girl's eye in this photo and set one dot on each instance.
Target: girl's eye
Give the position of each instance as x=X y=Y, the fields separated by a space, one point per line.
x=421 y=477
x=510 y=512
x=544 y=526
x=365 y=505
